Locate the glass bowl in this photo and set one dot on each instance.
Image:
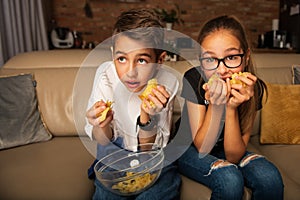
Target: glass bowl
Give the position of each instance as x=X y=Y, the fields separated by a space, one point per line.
x=127 y=172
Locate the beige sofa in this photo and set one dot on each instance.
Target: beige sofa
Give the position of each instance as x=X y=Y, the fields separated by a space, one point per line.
x=57 y=169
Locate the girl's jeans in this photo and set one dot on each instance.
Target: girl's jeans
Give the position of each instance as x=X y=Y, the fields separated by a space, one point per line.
x=166 y=187
x=227 y=180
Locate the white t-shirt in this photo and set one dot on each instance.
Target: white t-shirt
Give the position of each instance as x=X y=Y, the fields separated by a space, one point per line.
x=126 y=104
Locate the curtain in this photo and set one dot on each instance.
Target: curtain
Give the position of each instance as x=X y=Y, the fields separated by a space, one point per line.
x=22 y=28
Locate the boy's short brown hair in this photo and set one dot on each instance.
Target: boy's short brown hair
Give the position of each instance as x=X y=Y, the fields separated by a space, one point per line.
x=143 y=25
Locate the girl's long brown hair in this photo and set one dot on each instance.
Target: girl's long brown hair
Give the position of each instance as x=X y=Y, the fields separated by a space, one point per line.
x=246 y=110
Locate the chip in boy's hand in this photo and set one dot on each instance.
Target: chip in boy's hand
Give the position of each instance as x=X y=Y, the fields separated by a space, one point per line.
x=233 y=79
x=152 y=83
x=103 y=114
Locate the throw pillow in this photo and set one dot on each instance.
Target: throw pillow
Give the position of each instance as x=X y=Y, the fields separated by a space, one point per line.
x=280 y=115
x=296 y=74
x=20 y=119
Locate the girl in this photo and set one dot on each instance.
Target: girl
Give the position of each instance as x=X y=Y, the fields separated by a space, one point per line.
x=220 y=117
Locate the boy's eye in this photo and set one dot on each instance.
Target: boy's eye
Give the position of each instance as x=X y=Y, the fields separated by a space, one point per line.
x=142 y=61
x=121 y=59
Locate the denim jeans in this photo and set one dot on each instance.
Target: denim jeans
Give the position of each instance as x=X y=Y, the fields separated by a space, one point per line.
x=227 y=181
x=166 y=187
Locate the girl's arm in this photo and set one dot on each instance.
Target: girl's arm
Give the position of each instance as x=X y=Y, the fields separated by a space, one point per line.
x=206 y=125
x=235 y=142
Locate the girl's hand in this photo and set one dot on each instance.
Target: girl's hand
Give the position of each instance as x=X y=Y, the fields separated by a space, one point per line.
x=240 y=93
x=93 y=114
x=156 y=101
x=217 y=91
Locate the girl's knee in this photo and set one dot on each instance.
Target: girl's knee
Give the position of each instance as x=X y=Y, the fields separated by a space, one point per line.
x=247 y=159
x=264 y=169
x=229 y=183
x=227 y=174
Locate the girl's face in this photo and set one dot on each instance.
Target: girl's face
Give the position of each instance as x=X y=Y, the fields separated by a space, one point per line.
x=222 y=44
x=135 y=64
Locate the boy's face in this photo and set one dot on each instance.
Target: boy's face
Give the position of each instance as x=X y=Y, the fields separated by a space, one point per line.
x=135 y=64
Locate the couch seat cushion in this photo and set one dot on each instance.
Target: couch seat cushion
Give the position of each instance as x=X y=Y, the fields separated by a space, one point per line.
x=56 y=169
x=286 y=158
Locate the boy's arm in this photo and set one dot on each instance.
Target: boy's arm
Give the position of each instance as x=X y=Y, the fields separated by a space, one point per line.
x=97 y=103
x=156 y=128
x=147 y=128
x=102 y=135
x=99 y=123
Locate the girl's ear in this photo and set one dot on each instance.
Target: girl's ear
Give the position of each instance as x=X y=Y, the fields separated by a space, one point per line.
x=162 y=57
x=247 y=56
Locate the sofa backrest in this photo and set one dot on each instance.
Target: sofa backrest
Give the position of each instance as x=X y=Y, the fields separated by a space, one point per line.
x=65 y=77
x=55 y=73
x=276 y=67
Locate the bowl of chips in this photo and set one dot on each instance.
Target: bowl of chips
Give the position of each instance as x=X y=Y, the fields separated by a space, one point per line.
x=130 y=172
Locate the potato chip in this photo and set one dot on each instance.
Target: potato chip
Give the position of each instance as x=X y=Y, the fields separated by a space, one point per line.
x=212 y=79
x=237 y=81
x=152 y=83
x=134 y=184
x=103 y=114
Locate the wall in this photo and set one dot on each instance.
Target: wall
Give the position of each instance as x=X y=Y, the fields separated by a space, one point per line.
x=257 y=15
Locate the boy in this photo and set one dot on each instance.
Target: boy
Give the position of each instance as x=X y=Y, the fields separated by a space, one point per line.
x=137 y=52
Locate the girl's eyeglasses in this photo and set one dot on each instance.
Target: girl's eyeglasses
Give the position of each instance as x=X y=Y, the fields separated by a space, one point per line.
x=231 y=61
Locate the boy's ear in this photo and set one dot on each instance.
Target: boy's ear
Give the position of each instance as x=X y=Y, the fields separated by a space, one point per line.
x=112 y=51
x=162 y=57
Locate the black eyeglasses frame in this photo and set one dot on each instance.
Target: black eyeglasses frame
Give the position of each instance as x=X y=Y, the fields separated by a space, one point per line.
x=223 y=61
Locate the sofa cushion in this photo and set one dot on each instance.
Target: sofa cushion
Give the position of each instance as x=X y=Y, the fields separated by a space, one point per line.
x=278 y=75
x=285 y=157
x=58 y=72
x=56 y=169
x=280 y=115
x=20 y=119
x=275 y=67
x=296 y=74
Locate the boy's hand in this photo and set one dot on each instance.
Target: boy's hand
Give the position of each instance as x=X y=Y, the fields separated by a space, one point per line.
x=156 y=101
x=100 y=114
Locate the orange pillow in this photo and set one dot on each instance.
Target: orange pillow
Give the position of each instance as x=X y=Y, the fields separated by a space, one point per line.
x=280 y=115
